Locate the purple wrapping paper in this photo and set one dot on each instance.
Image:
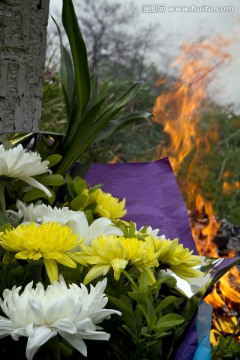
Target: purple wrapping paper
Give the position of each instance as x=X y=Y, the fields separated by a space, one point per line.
x=152 y=198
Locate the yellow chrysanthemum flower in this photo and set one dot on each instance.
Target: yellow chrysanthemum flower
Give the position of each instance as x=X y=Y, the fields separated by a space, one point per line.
x=177 y=258
x=50 y=241
x=114 y=252
x=107 y=205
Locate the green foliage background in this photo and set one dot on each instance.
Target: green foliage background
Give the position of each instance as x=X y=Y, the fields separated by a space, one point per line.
x=140 y=140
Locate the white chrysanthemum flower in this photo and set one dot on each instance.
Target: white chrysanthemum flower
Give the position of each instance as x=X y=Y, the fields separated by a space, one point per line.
x=72 y=312
x=76 y=220
x=18 y=164
x=99 y=227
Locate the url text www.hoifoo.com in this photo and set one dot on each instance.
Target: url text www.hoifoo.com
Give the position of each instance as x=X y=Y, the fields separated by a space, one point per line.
x=158 y=8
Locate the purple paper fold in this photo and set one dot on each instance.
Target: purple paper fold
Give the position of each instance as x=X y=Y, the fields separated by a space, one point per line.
x=152 y=196
x=189 y=344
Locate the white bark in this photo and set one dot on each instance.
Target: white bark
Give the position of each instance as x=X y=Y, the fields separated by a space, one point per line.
x=23 y=27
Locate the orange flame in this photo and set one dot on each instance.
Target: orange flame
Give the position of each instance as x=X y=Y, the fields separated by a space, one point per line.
x=114 y=160
x=179 y=111
x=205 y=229
x=226 y=291
x=229 y=188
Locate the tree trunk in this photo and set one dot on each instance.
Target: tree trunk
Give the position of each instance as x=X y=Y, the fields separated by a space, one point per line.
x=23 y=28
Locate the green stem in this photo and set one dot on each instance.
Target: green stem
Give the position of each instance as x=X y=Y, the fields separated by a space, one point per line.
x=38 y=273
x=2 y=197
x=55 y=348
x=129 y=278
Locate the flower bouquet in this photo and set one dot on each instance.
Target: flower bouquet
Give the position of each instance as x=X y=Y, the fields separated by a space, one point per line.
x=76 y=276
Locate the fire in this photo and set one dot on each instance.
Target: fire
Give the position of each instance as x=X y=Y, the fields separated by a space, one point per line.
x=229 y=188
x=226 y=291
x=179 y=111
x=114 y=160
x=227 y=326
x=205 y=228
x=225 y=296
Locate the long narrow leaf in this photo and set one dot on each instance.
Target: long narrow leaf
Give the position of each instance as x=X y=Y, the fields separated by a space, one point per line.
x=87 y=131
x=84 y=135
x=68 y=80
x=79 y=53
x=129 y=94
x=83 y=124
x=115 y=125
x=67 y=74
x=94 y=89
x=122 y=101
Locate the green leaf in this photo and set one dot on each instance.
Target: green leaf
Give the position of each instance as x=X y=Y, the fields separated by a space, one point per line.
x=53 y=159
x=140 y=297
x=81 y=168
x=68 y=80
x=14 y=273
x=5 y=227
x=115 y=125
x=89 y=215
x=165 y=302
x=81 y=136
x=167 y=279
x=168 y=321
x=51 y=180
x=94 y=89
x=79 y=53
x=35 y=194
x=124 y=304
x=149 y=313
x=3 y=218
x=78 y=202
x=132 y=229
x=67 y=74
x=94 y=188
x=129 y=94
x=81 y=127
x=79 y=185
x=70 y=187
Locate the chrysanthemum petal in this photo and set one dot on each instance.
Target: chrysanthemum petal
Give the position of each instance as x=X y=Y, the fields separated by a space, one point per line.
x=37 y=337
x=50 y=241
x=77 y=258
x=52 y=270
x=66 y=325
x=33 y=182
x=76 y=341
x=95 y=272
x=66 y=260
x=176 y=258
x=107 y=205
x=18 y=164
x=26 y=254
x=7 y=328
x=117 y=253
x=35 y=307
x=118 y=265
x=72 y=312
